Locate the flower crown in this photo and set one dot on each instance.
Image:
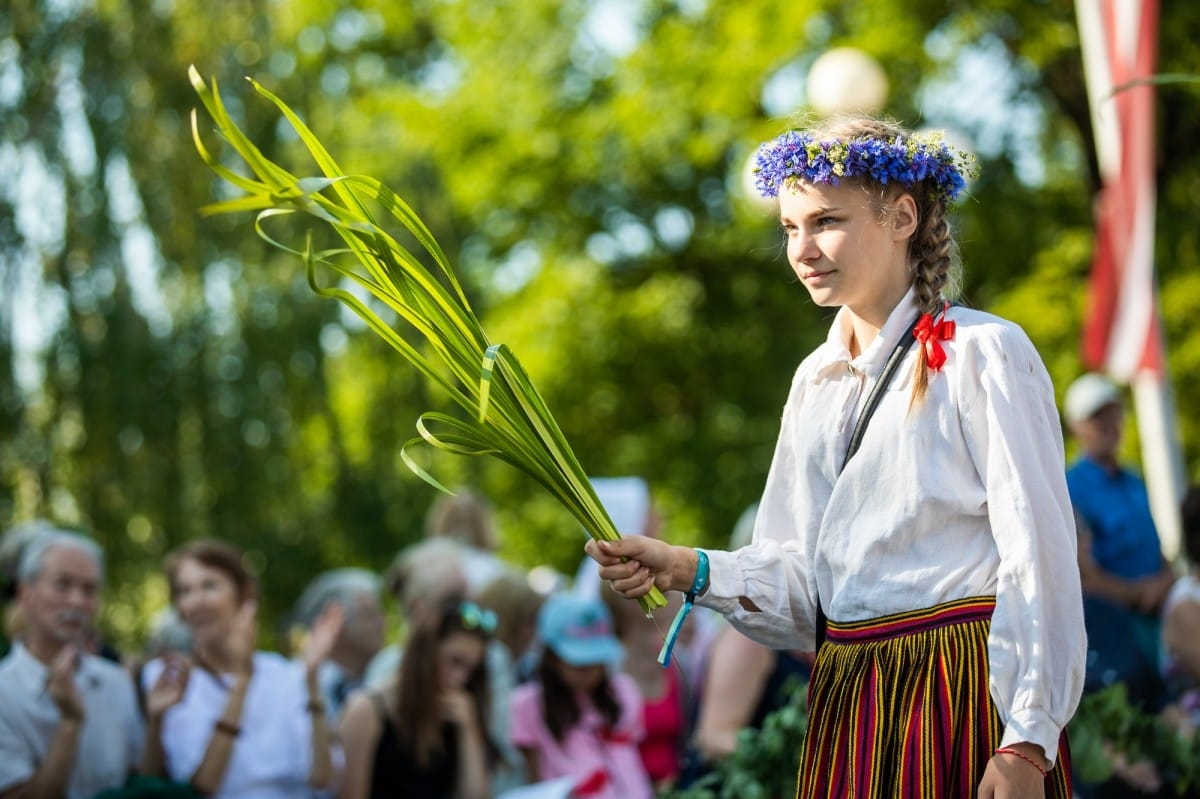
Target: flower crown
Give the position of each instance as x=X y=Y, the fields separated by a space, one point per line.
x=905 y=160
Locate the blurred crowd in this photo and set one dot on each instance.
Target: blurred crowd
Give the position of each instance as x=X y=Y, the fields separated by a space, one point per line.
x=491 y=684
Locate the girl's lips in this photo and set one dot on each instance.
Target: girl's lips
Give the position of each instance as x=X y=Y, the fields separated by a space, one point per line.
x=812 y=276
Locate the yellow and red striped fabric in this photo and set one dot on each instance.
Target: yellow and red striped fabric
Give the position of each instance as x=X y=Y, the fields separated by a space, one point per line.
x=899 y=709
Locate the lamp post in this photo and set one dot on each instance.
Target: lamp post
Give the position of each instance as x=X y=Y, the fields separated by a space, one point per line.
x=845 y=80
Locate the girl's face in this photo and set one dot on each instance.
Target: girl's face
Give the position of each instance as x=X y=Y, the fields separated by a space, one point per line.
x=842 y=251
x=581 y=679
x=206 y=600
x=459 y=655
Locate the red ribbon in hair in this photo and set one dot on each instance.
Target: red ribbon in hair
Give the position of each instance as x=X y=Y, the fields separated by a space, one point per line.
x=931 y=334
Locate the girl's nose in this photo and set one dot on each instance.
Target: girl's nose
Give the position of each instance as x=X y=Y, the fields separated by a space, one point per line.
x=802 y=247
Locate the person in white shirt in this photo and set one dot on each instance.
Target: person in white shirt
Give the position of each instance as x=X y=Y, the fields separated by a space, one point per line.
x=233 y=722
x=69 y=723
x=934 y=569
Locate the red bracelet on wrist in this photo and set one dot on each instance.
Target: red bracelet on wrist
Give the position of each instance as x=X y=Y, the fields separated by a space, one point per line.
x=1008 y=750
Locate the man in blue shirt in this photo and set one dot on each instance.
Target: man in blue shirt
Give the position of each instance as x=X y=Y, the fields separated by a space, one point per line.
x=1121 y=558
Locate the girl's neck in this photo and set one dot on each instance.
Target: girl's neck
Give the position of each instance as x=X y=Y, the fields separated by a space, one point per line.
x=867 y=321
x=862 y=335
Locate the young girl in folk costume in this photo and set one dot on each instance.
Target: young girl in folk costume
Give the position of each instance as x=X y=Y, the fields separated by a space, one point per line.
x=915 y=525
x=579 y=719
x=424 y=733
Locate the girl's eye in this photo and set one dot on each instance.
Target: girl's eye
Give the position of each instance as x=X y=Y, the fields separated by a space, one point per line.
x=788 y=229
x=825 y=221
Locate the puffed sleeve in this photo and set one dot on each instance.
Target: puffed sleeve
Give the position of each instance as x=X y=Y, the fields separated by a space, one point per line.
x=1037 y=645
x=772 y=572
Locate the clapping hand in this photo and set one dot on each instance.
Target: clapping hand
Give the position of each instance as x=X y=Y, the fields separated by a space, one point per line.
x=243 y=638
x=60 y=684
x=323 y=635
x=169 y=688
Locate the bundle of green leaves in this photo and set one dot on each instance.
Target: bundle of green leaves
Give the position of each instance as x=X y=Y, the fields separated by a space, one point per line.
x=506 y=416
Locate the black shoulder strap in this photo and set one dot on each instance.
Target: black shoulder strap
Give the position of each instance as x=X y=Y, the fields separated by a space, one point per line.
x=860 y=427
x=885 y=377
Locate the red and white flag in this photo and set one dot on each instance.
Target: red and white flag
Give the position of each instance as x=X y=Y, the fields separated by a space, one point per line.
x=1119 y=39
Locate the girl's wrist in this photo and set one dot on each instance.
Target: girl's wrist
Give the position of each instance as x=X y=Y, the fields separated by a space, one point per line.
x=1030 y=753
x=686 y=576
x=694 y=576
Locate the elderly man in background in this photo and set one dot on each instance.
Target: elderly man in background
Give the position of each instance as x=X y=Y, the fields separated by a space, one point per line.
x=357 y=591
x=69 y=724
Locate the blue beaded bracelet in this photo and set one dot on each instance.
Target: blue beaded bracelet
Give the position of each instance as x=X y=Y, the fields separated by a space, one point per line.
x=689 y=599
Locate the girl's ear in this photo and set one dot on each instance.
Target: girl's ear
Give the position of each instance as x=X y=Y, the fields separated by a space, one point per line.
x=904 y=217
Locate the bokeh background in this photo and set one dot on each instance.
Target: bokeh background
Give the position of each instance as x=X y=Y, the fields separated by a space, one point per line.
x=165 y=375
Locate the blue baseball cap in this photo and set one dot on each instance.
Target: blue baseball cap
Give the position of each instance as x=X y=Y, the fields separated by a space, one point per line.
x=579 y=630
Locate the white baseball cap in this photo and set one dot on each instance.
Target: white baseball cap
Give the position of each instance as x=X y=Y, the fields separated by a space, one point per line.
x=1087 y=395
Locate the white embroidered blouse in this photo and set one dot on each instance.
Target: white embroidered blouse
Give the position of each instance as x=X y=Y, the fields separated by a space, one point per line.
x=965 y=495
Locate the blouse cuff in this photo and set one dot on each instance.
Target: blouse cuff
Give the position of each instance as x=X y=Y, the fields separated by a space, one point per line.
x=1035 y=727
x=725 y=583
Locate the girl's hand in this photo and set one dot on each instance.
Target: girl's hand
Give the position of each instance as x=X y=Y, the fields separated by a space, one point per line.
x=243 y=638
x=635 y=564
x=1010 y=777
x=323 y=635
x=169 y=688
x=457 y=708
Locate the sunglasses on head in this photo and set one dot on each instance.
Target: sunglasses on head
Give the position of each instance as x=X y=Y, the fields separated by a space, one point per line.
x=474 y=617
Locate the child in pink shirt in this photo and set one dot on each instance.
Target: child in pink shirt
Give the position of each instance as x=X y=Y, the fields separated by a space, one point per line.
x=578 y=719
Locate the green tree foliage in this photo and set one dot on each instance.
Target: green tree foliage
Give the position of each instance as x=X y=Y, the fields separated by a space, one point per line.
x=585 y=179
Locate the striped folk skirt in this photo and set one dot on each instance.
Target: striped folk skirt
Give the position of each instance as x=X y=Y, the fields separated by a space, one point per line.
x=899 y=708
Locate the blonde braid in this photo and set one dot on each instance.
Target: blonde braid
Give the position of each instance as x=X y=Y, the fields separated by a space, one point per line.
x=935 y=266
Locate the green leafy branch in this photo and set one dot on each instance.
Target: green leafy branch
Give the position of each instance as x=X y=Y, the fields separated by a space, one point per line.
x=1107 y=723
x=506 y=416
x=764 y=765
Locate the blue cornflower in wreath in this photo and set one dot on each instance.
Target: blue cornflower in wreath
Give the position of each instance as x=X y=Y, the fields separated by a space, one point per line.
x=904 y=160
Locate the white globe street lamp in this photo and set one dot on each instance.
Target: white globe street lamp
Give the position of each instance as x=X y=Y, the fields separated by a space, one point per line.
x=845 y=80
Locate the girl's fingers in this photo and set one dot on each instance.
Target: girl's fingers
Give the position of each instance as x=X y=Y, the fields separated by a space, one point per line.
x=621 y=570
x=635 y=585
x=603 y=552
